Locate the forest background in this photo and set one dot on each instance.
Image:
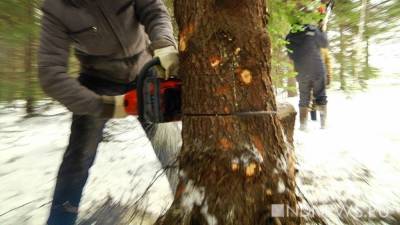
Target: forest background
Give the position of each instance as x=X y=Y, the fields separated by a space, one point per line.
x=363 y=34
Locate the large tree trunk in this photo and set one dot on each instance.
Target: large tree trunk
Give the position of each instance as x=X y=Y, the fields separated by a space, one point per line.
x=235 y=162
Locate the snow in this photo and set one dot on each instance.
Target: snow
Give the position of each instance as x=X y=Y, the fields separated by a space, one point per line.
x=31 y=151
x=281 y=186
x=192 y=196
x=352 y=166
x=211 y=219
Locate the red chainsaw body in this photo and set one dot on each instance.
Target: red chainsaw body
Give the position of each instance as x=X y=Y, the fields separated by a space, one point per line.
x=131 y=98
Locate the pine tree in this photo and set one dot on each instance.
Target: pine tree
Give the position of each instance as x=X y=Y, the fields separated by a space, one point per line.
x=235 y=162
x=18 y=37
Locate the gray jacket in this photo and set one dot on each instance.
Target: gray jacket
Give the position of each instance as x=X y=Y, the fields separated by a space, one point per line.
x=110 y=40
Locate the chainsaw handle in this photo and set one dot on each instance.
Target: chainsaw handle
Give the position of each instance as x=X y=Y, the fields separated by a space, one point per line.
x=144 y=72
x=146 y=67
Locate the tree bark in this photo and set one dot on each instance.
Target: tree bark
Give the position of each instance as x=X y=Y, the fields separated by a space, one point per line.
x=28 y=62
x=343 y=84
x=360 y=44
x=366 y=69
x=28 y=89
x=235 y=160
x=292 y=91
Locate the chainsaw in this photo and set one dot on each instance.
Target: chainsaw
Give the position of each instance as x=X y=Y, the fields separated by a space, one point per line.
x=154 y=100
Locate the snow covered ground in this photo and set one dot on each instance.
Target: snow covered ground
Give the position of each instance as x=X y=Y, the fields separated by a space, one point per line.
x=31 y=151
x=349 y=168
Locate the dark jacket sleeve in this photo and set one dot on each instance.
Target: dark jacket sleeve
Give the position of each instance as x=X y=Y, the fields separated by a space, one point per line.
x=53 y=63
x=289 y=45
x=322 y=39
x=154 y=16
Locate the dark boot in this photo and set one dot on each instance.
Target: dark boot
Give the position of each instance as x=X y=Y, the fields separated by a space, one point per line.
x=303 y=118
x=323 y=114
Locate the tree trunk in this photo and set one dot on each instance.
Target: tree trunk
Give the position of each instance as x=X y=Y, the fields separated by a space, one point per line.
x=366 y=70
x=235 y=160
x=360 y=44
x=292 y=91
x=28 y=63
x=29 y=95
x=342 y=68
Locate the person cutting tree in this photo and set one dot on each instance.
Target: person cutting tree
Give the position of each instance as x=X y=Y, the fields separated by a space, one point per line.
x=308 y=49
x=112 y=40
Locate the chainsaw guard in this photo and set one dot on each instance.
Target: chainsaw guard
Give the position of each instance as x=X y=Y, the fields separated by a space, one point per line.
x=159 y=100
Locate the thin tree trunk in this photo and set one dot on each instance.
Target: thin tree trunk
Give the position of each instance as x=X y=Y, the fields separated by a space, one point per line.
x=354 y=63
x=367 y=53
x=343 y=85
x=28 y=63
x=360 y=43
x=292 y=91
x=235 y=161
x=29 y=95
x=366 y=69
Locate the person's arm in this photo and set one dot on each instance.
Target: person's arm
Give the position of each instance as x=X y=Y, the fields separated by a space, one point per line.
x=154 y=16
x=53 y=66
x=322 y=39
x=326 y=58
x=289 y=46
x=55 y=81
x=323 y=45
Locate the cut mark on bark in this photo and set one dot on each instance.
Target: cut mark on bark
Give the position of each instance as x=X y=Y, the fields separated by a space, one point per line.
x=245 y=76
x=184 y=36
x=251 y=169
x=222 y=90
x=232 y=114
x=225 y=144
x=237 y=51
x=226 y=109
x=215 y=61
x=235 y=165
x=258 y=144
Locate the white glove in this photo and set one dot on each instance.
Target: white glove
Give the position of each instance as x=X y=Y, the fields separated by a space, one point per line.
x=169 y=61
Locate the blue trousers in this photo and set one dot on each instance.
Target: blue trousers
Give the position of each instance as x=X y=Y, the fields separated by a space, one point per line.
x=86 y=134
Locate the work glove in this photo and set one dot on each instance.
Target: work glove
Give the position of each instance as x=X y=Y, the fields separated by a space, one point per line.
x=169 y=61
x=328 y=65
x=328 y=80
x=113 y=107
